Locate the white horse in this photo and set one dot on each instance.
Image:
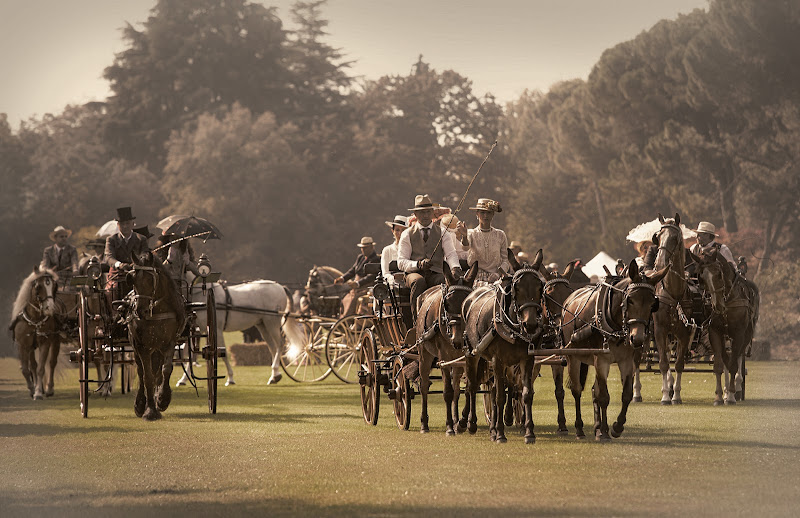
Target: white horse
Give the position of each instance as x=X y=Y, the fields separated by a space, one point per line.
x=263 y=304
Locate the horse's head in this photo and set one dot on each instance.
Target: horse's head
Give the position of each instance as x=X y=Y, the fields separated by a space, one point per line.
x=526 y=289
x=639 y=302
x=148 y=276
x=44 y=287
x=457 y=289
x=669 y=240
x=556 y=289
x=710 y=270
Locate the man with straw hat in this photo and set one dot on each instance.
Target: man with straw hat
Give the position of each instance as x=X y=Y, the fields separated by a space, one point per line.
x=389 y=253
x=422 y=250
x=60 y=256
x=487 y=245
x=706 y=233
x=356 y=278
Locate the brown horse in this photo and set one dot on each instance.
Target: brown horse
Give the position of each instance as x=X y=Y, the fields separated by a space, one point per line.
x=735 y=302
x=440 y=327
x=613 y=319
x=34 y=326
x=156 y=316
x=502 y=322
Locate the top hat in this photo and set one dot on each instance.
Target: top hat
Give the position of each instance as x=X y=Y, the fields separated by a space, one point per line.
x=124 y=214
x=366 y=241
x=487 y=205
x=144 y=231
x=706 y=228
x=57 y=230
x=422 y=202
x=401 y=221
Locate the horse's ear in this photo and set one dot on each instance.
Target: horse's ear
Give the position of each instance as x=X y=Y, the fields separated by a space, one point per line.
x=537 y=260
x=677 y=219
x=448 y=274
x=695 y=258
x=656 y=277
x=469 y=278
x=633 y=271
x=36 y=269
x=546 y=274
x=512 y=260
x=660 y=218
x=569 y=270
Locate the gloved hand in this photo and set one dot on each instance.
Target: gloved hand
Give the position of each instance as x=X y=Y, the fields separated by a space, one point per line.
x=493 y=277
x=424 y=265
x=458 y=273
x=352 y=285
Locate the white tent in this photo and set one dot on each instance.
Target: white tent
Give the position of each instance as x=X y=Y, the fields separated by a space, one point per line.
x=595 y=265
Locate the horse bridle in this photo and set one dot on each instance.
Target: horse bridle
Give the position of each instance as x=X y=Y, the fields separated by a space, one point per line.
x=512 y=290
x=452 y=318
x=666 y=249
x=153 y=300
x=36 y=324
x=628 y=322
x=553 y=319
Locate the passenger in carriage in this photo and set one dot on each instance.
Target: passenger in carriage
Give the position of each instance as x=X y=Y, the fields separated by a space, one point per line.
x=422 y=251
x=706 y=234
x=180 y=258
x=60 y=256
x=389 y=253
x=486 y=245
x=356 y=278
x=119 y=252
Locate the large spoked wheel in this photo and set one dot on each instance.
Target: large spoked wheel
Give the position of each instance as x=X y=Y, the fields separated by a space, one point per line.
x=83 y=336
x=305 y=363
x=211 y=350
x=402 y=398
x=368 y=379
x=343 y=344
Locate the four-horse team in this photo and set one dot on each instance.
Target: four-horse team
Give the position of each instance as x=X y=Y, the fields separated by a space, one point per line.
x=473 y=307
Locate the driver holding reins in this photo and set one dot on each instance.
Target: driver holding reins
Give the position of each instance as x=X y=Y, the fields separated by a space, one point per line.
x=120 y=249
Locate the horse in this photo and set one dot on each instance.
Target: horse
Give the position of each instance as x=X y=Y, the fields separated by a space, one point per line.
x=501 y=322
x=34 y=326
x=265 y=305
x=670 y=321
x=735 y=304
x=441 y=329
x=613 y=318
x=322 y=297
x=155 y=316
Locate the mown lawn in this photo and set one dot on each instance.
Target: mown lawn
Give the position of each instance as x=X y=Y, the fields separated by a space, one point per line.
x=305 y=450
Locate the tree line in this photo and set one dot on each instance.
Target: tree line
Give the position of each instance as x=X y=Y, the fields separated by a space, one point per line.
x=218 y=110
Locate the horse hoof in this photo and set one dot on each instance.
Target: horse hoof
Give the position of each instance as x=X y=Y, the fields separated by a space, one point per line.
x=275 y=379
x=180 y=383
x=151 y=415
x=580 y=437
x=38 y=396
x=461 y=428
x=637 y=399
x=423 y=430
x=530 y=440
x=229 y=383
x=717 y=403
x=472 y=429
x=450 y=432
x=562 y=431
x=738 y=395
x=677 y=401
x=601 y=437
x=501 y=440
x=666 y=402
x=730 y=402
x=49 y=394
x=616 y=431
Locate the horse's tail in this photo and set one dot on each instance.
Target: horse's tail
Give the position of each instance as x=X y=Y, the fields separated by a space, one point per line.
x=289 y=324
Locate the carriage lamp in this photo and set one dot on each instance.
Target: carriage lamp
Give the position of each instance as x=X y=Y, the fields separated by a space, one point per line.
x=93 y=270
x=381 y=291
x=203 y=265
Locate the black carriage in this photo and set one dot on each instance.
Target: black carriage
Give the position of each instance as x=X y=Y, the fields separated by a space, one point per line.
x=103 y=340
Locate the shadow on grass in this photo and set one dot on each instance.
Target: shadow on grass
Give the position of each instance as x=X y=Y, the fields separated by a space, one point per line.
x=268 y=415
x=45 y=430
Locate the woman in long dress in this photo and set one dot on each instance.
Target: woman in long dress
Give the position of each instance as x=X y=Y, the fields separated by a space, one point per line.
x=486 y=245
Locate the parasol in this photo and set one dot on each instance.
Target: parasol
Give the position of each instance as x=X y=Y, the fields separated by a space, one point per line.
x=192 y=226
x=109 y=228
x=645 y=231
x=165 y=223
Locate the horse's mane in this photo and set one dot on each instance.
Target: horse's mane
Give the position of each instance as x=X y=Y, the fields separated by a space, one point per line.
x=330 y=270
x=25 y=289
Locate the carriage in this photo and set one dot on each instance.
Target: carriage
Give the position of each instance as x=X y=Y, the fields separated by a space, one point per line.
x=103 y=340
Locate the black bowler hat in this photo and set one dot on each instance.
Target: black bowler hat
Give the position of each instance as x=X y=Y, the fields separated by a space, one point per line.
x=125 y=214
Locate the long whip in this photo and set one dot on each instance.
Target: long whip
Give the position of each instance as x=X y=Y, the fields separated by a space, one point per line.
x=464 y=197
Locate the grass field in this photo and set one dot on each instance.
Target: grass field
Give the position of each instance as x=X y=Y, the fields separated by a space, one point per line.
x=292 y=449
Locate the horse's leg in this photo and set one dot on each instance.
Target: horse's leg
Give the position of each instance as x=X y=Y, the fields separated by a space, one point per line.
x=500 y=398
x=527 y=398
x=626 y=369
x=272 y=337
x=680 y=362
x=184 y=356
x=449 y=398
x=165 y=391
x=472 y=392
x=26 y=357
x=558 y=381
x=601 y=399
x=38 y=370
x=662 y=346
x=228 y=367
x=739 y=378
x=719 y=365
x=424 y=376
x=637 y=384
x=55 y=348
x=151 y=412
x=141 y=400
x=456 y=372
x=577 y=377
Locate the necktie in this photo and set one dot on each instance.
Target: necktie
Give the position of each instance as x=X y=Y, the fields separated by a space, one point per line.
x=425 y=234
x=61 y=259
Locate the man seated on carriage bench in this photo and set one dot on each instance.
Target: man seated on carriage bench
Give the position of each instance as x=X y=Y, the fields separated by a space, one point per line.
x=357 y=280
x=423 y=249
x=61 y=256
x=120 y=249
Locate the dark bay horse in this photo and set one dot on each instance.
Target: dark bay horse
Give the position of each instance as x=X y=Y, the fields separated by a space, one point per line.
x=735 y=302
x=34 y=326
x=155 y=318
x=502 y=322
x=440 y=327
x=613 y=319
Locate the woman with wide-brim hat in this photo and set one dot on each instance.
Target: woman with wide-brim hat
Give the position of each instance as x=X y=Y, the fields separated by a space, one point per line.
x=486 y=245
x=389 y=253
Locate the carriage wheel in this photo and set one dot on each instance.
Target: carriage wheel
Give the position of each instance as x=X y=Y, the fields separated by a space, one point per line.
x=305 y=363
x=403 y=394
x=212 y=350
x=83 y=337
x=368 y=378
x=342 y=347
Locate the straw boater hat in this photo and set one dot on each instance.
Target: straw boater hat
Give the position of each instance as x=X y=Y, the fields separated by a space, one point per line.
x=366 y=241
x=449 y=221
x=704 y=227
x=422 y=202
x=400 y=221
x=124 y=214
x=57 y=230
x=487 y=205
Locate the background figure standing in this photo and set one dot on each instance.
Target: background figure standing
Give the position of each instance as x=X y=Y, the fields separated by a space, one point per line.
x=389 y=253
x=356 y=278
x=61 y=256
x=487 y=245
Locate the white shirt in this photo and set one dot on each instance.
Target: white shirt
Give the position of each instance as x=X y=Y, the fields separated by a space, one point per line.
x=388 y=255
x=489 y=249
x=404 y=250
x=698 y=249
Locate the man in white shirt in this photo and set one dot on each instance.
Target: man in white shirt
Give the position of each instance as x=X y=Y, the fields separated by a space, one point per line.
x=706 y=232
x=422 y=251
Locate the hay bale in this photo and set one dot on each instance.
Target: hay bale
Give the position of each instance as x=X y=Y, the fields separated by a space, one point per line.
x=256 y=353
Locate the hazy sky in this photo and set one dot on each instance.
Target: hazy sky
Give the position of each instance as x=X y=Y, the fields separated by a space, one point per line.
x=53 y=52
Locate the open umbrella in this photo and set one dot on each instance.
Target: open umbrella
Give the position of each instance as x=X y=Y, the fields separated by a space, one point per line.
x=645 y=231
x=167 y=222
x=192 y=226
x=109 y=228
